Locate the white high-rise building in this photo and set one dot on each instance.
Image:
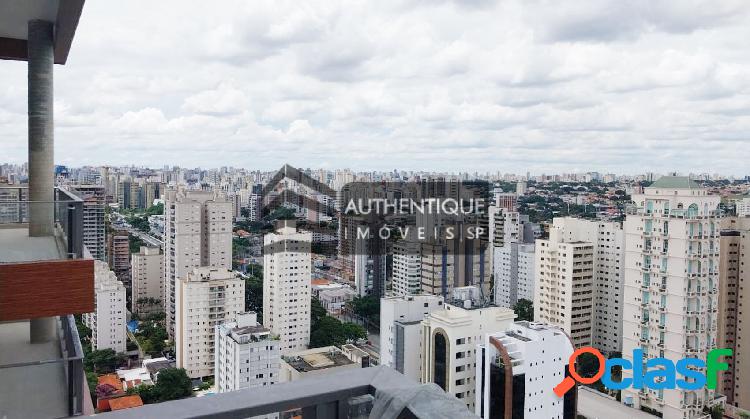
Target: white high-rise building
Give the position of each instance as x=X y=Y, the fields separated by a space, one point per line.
x=743 y=207
x=286 y=286
x=401 y=331
x=514 y=273
x=449 y=341
x=107 y=322
x=671 y=286
x=407 y=268
x=536 y=356
x=247 y=356
x=564 y=290
x=608 y=241
x=94 y=200
x=197 y=232
x=206 y=297
x=147 y=270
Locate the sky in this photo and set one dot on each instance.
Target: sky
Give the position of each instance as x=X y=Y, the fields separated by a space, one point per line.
x=479 y=85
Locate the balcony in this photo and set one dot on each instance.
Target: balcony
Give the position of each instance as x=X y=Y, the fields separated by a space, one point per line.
x=42 y=379
x=43 y=277
x=350 y=393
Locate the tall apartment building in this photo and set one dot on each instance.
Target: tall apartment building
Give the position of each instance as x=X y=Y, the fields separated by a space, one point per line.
x=407 y=268
x=197 y=232
x=247 y=356
x=147 y=273
x=517 y=369
x=450 y=264
x=734 y=275
x=118 y=254
x=564 y=290
x=496 y=233
x=286 y=286
x=94 y=200
x=107 y=321
x=449 y=340
x=608 y=241
x=743 y=207
x=401 y=331
x=671 y=286
x=514 y=273
x=127 y=194
x=206 y=298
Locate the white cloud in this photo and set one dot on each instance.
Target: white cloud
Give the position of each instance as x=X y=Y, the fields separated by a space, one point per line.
x=511 y=85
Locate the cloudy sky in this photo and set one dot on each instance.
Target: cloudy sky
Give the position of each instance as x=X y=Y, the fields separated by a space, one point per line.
x=506 y=85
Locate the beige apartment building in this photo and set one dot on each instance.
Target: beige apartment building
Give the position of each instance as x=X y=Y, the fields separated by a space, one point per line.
x=147 y=271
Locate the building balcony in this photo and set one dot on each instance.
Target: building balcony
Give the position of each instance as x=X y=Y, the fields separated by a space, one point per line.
x=358 y=392
x=42 y=379
x=43 y=277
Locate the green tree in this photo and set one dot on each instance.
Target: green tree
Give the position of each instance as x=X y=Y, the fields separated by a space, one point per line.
x=524 y=309
x=173 y=383
x=157 y=209
x=353 y=332
x=103 y=361
x=317 y=312
x=134 y=243
x=254 y=296
x=367 y=306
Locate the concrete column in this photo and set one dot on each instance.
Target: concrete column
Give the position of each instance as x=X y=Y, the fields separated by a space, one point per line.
x=41 y=149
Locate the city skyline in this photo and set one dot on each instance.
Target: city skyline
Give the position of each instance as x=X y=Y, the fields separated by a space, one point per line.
x=521 y=87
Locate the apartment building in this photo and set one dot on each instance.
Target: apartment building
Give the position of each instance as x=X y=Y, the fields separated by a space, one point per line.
x=286 y=286
x=94 y=200
x=517 y=370
x=514 y=273
x=247 y=355
x=107 y=321
x=608 y=241
x=671 y=286
x=449 y=339
x=206 y=298
x=564 y=291
x=118 y=254
x=197 y=233
x=401 y=331
x=407 y=268
x=734 y=276
x=147 y=272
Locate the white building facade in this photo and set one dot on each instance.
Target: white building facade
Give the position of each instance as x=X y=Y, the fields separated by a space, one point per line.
x=206 y=297
x=514 y=273
x=536 y=356
x=671 y=286
x=407 y=268
x=107 y=322
x=401 y=331
x=449 y=340
x=197 y=232
x=286 y=287
x=147 y=270
x=247 y=356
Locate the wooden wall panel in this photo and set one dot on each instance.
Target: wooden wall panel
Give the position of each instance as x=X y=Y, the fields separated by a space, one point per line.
x=46 y=288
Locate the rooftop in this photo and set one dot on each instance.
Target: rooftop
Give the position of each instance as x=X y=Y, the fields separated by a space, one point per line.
x=125 y=402
x=675 y=182
x=317 y=359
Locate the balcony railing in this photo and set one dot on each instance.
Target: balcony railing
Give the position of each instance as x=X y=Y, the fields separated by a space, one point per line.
x=347 y=394
x=30 y=369
x=67 y=208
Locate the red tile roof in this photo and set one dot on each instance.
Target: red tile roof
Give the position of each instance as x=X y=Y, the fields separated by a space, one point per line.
x=125 y=402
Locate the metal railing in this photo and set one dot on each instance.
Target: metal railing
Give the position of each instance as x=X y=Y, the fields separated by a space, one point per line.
x=72 y=362
x=335 y=396
x=66 y=207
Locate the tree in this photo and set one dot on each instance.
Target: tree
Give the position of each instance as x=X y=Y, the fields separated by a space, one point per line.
x=172 y=384
x=103 y=361
x=353 y=332
x=157 y=209
x=524 y=309
x=134 y=243
x=254 y=296
x=367 y=306
x=104 y=390
x=317 y=312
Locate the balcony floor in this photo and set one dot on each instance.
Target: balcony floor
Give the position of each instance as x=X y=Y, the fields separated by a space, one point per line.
x=17 y=246
x=35 y=391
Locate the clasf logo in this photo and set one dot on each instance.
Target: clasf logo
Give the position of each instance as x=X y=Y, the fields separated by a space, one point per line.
x=659 y=373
